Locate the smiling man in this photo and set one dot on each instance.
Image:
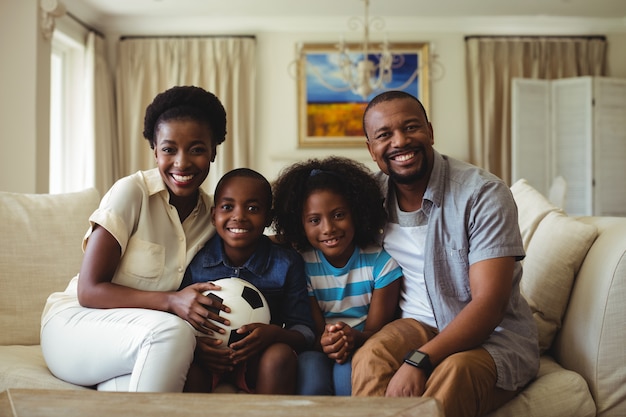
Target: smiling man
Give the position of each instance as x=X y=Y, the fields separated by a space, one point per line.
x=465 y=335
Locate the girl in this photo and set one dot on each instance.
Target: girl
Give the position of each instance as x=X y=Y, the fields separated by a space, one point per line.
x=331 y=211
x=121 y=324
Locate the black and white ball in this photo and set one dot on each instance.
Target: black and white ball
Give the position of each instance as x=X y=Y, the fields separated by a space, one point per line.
x=247 y=305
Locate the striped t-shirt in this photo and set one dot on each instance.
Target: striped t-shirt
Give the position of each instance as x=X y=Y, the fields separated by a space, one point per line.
x=344 y=294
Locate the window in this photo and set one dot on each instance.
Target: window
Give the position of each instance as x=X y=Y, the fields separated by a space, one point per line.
x=69 y=135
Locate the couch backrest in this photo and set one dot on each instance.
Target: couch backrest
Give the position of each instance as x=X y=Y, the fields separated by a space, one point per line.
x=40 y=251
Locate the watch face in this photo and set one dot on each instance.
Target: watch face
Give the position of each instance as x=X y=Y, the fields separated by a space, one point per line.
x=416 y=356
x=419 y=360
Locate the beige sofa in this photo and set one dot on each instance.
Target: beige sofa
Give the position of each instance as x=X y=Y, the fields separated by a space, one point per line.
x=575 y=280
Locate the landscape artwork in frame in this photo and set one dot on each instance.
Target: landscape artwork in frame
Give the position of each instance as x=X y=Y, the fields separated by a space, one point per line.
x=329 y=113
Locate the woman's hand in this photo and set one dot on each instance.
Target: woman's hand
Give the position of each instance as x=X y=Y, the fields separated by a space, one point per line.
x=198 y=309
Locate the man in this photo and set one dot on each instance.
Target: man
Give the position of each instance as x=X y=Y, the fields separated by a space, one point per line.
x=466 y=336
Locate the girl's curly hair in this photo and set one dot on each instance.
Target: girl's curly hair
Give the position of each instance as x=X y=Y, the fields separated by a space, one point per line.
x=185 y=102
x=351 y=179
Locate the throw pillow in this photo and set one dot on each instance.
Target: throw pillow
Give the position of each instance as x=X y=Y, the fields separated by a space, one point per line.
x=532 y=207
x=553 y=257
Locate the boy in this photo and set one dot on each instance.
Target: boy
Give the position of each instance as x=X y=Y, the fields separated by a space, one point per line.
x=264 y=360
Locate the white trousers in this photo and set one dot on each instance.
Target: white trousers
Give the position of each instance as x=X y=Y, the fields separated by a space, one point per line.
x=120 y=349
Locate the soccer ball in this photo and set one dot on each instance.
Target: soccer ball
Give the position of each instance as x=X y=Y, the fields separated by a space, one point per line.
x=247 y=305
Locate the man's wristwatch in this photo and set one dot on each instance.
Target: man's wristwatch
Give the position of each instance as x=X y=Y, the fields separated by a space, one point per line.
x=419 y=360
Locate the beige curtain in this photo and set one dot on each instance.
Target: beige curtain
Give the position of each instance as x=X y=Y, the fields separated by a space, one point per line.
x=101 y=115
x=491 y=64
x=224 y=66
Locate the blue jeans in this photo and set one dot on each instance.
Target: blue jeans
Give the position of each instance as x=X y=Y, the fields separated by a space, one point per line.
x=318 y=375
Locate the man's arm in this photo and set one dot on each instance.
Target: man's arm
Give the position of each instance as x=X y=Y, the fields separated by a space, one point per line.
x=490 y=284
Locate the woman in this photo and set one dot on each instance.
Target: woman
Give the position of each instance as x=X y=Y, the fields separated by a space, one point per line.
x=121 y=324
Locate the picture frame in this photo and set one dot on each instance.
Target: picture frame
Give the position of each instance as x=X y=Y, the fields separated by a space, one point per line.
x=329 y=113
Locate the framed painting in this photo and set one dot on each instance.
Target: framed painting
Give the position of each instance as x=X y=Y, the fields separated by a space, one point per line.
x=329 y=111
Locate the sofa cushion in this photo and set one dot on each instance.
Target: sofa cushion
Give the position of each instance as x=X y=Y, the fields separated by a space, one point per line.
x=24 y=367
x=555 y=247
x=556 y=392
x=40 y=251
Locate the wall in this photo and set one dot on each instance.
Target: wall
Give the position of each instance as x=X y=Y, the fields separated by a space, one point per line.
x=23 y=100
x=277 y=96
x=277 y=100
x=616 y=59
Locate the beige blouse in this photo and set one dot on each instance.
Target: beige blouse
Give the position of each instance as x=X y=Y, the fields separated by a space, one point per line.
x=156 y=247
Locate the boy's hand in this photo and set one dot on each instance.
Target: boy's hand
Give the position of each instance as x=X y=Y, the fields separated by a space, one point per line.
x=198 y=309
x=258 y=337
x=212 y=357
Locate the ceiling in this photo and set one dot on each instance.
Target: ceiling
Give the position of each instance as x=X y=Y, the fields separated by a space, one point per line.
x=442 y=8
x=98 y=12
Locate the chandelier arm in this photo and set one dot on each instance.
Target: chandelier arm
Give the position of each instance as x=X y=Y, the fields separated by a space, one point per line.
x=360 y=74
x=409 y=81
x=321 y=79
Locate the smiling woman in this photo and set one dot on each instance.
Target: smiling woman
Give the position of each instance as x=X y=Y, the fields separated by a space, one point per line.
x=141 y=238
x=225 y=65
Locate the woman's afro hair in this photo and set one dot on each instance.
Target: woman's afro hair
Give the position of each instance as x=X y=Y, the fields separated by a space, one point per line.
x=349 y=178
x=185 y=102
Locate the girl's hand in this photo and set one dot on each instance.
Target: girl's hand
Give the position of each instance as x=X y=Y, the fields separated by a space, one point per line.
x=338 y=341
x=212 y=357
x=258 y=337
x=189 y=304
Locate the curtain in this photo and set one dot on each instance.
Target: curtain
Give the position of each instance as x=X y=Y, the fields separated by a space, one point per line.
x=491 y=64
x=83 y=155
x=100 y=116
x=223 y=66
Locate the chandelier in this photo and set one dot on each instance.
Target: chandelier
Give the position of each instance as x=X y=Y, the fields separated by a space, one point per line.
x=369 y=69
x=365 y=75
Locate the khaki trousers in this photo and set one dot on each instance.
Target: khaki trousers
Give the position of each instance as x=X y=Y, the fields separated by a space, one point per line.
x=464 y=383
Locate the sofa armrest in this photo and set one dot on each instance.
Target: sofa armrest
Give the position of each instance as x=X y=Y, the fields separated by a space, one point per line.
x=592 y=339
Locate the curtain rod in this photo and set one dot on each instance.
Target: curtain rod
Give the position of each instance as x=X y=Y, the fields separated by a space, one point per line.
x=85 y=25
x=185 y=36
x=600 y=37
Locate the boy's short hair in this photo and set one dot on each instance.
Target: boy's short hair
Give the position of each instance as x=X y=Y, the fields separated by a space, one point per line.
x=247 y=173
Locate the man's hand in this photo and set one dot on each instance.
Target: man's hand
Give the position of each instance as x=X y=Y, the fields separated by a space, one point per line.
x=408 y=381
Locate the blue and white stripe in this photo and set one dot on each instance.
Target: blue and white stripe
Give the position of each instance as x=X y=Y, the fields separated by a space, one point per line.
x=344 y=294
